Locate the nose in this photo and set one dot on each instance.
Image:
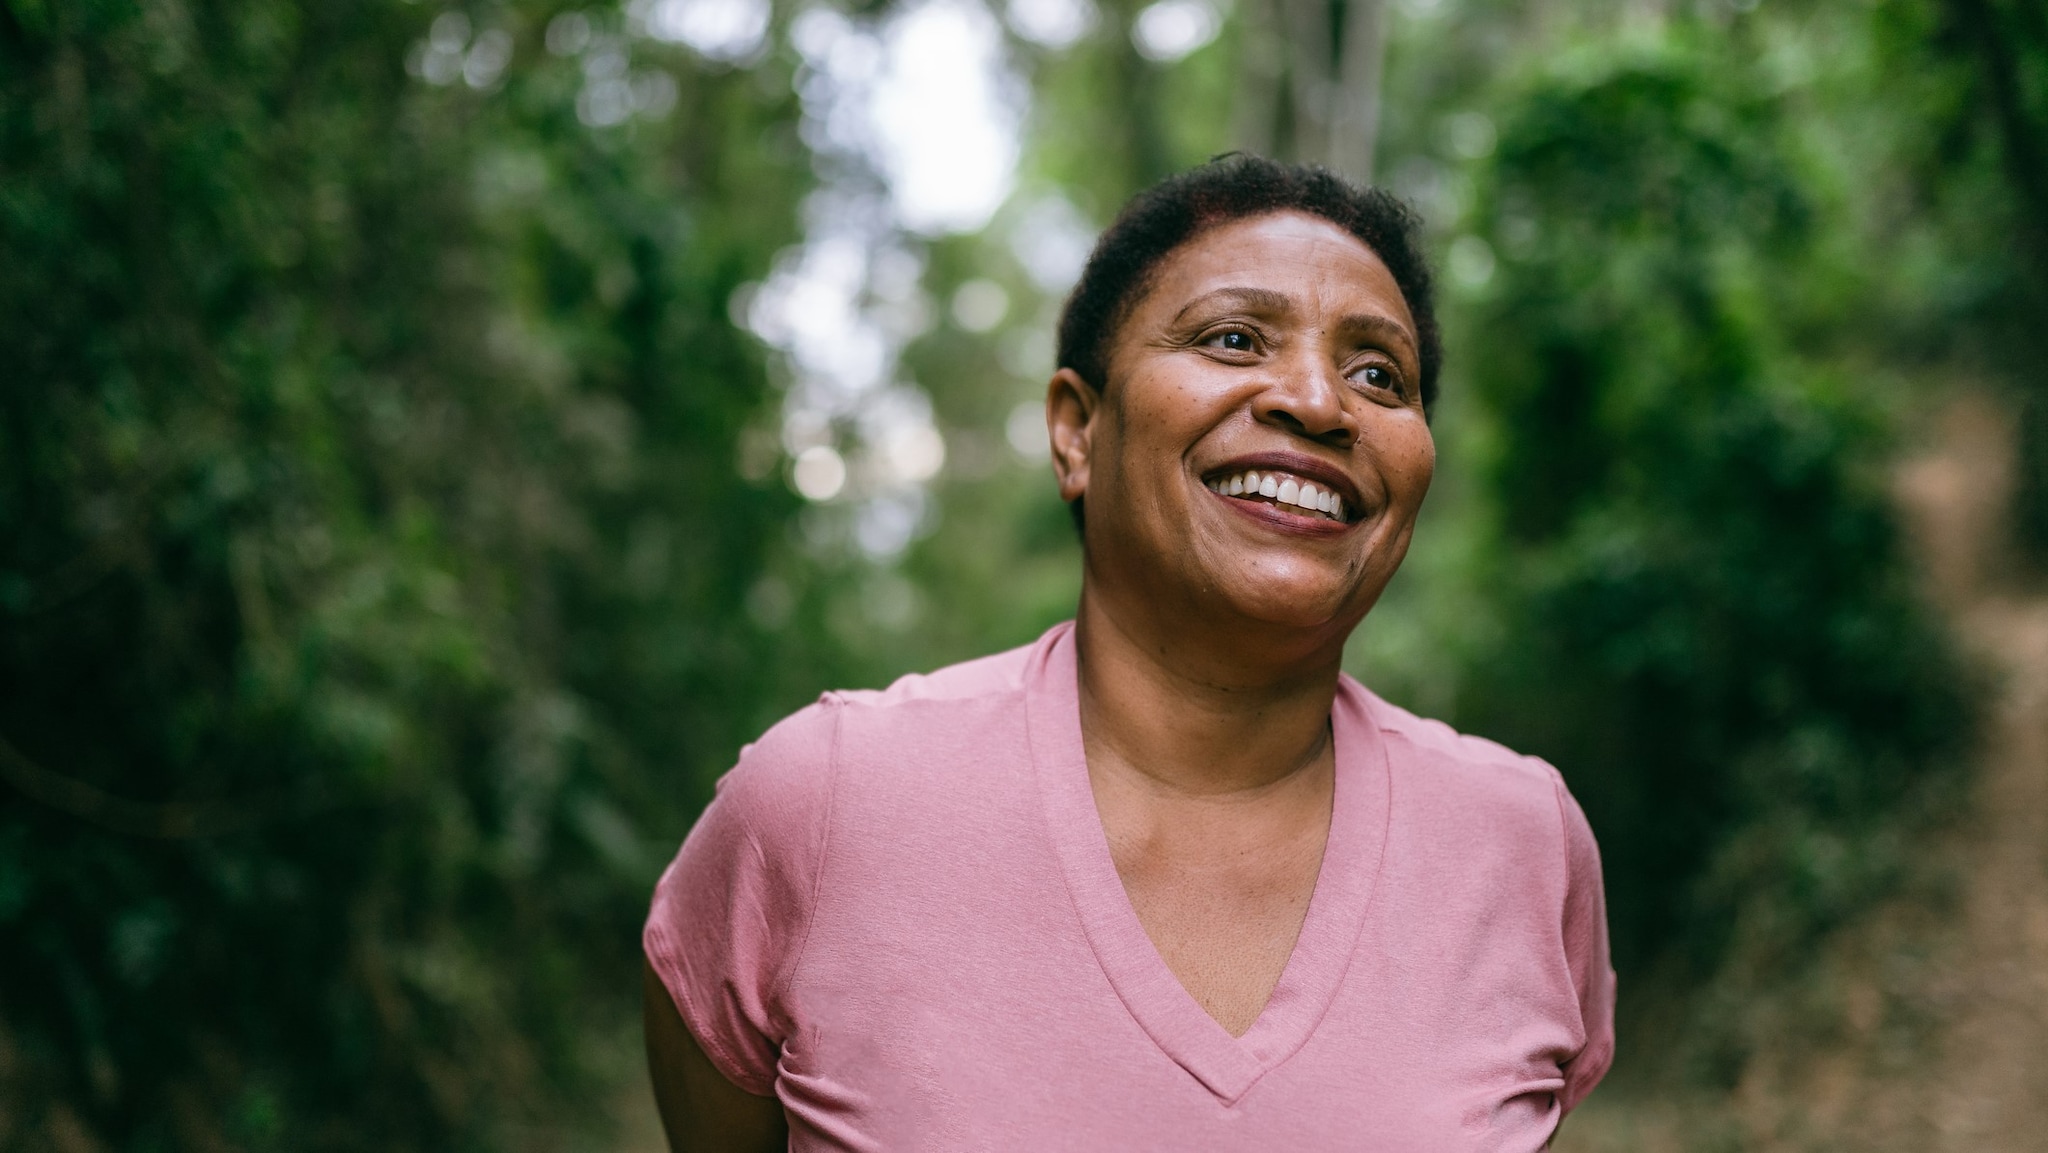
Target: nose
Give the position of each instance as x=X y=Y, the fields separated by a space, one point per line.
x=1306 y=397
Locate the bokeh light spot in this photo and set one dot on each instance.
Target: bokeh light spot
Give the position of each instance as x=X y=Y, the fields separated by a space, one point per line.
x=1171 y=29
x=1054 y=24
x=819 y=473
x=715 y=29
x=1025 y=430
x=979 y=305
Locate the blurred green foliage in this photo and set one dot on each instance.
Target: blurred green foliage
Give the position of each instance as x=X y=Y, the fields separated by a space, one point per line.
x=388 y=562
x=373 y=560
x=1987 y=162
x=1707 y=618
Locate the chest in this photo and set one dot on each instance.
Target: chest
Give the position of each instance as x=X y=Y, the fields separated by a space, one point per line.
x=992 y=966
x=1222 y=902
x=1014 y=1026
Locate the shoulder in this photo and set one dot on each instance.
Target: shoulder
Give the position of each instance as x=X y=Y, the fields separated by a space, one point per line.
x=1421 y=744
x=794 y=764
x=996 y=675
x=782 y=768
x=1480 y=779
x=920 y=711
x=1471 y=812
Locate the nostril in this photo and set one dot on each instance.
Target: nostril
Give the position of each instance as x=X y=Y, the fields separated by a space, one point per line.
x=1338 y=434
x=1331 y=424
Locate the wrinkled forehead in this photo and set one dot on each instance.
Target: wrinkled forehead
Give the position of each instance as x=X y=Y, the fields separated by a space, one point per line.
x=1285 y=260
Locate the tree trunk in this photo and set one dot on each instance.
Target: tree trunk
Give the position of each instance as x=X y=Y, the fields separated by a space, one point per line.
x=1309 y=82
x=1355 y=115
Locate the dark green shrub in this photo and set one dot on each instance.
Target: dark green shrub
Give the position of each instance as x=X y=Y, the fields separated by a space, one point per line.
x=1709 y=624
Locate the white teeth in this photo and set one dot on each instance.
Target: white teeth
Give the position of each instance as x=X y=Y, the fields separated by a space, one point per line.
x=1283 y=489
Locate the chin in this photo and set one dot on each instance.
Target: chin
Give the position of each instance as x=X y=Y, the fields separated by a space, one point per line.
x=1306 y=613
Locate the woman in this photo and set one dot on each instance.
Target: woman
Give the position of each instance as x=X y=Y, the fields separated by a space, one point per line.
x=1166 y=879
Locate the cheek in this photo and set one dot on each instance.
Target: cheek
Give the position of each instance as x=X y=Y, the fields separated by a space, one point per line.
x=1157 y=419
x=1408 y=454
x=1425 y=461
x=1122 y=452
x=1152 y=404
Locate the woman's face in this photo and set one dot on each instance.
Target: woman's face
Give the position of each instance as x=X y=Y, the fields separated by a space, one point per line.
x=1261 y=449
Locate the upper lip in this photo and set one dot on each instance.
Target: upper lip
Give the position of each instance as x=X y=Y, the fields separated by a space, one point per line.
x=1307 y=467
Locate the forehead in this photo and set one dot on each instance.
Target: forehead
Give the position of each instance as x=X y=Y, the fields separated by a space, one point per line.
x=1297 y=254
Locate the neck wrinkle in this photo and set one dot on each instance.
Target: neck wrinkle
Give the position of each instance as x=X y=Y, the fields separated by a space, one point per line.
x=1163 y=717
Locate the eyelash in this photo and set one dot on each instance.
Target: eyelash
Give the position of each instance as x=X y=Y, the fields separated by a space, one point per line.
x=1213 y=337
x=1391 y=383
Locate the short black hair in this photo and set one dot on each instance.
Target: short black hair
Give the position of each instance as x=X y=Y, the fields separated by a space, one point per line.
x=1238 y=186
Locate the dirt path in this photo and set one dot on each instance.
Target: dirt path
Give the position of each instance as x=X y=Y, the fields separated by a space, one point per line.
x=1970 y=981
x=1934 y=1010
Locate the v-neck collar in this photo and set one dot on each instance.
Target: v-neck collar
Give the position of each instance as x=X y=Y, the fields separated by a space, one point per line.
x=1164 y=1008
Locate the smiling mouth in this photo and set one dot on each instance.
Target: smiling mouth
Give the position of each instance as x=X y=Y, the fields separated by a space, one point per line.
x=1283 y=490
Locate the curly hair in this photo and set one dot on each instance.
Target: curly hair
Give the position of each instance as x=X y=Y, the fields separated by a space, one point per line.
x=1232 y=187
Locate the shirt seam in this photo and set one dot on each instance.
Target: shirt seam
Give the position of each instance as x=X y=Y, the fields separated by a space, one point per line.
x=786 y=979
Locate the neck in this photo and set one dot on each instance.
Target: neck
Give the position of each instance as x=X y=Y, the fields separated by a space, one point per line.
x=1173 y=707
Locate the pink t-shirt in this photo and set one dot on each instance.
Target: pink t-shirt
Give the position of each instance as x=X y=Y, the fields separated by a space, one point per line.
x=900 y=916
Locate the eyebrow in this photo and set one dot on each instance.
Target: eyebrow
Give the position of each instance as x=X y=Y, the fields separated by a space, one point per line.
x=1384 y=329
x=1250 y=299
x=1265 y=300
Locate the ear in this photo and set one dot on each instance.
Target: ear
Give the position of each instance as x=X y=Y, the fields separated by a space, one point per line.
x=1071 y=406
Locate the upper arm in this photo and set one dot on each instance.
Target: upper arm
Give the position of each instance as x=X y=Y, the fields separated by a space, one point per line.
x=724 y=932
x=701 y=1110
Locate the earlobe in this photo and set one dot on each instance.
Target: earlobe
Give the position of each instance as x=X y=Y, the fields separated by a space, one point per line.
x=1071 y=404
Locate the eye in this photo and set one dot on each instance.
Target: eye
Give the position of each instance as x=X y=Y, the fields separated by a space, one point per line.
x=1232 y=340
x=1377 y=376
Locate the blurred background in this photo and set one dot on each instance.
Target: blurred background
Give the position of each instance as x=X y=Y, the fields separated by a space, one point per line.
x=435 y=436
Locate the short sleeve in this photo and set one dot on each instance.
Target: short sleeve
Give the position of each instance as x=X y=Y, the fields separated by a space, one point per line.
x=1585 y=941
x=730 y=914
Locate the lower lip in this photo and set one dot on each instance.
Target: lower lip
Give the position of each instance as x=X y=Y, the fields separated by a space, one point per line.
x=1271 y=517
